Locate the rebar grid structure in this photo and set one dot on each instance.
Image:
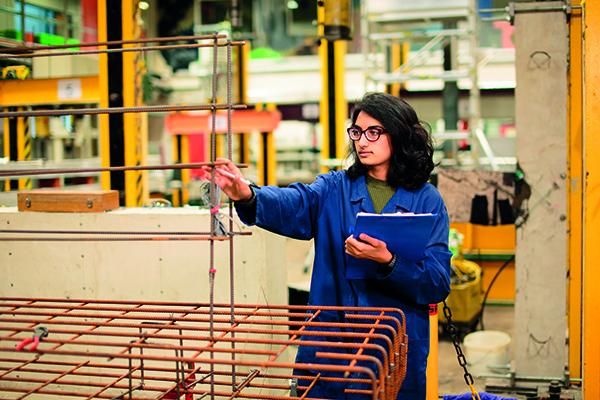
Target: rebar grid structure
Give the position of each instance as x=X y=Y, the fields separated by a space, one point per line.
x=100 y=349
x=106 y=349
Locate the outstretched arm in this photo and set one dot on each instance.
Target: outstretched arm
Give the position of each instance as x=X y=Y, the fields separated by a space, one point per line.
x=290 y=211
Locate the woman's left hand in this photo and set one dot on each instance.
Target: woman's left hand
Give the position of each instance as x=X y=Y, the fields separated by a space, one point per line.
x=368 y=248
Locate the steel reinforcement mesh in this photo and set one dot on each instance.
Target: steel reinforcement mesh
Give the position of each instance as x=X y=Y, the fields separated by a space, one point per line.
x=160 y=350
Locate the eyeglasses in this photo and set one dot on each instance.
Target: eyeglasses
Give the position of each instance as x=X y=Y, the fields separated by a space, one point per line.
x=372 y=133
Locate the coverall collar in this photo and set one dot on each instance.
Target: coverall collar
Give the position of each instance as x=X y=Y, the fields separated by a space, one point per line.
x=401 y=200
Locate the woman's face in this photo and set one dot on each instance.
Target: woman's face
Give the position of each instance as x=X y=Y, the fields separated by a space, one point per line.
x=372 y=154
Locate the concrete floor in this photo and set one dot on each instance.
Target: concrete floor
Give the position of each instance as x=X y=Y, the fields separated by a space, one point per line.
x=450 y=374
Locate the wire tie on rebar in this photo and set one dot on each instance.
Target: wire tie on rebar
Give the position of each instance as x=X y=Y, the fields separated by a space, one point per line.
x=212 y=270
x=215 y=210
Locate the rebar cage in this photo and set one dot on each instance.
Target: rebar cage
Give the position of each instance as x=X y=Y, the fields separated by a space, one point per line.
x=159 y=350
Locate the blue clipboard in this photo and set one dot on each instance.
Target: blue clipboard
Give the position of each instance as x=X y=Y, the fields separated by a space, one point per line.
x=405 y=234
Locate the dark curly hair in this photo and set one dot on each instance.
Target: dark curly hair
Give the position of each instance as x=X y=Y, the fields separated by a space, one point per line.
x=412 y=149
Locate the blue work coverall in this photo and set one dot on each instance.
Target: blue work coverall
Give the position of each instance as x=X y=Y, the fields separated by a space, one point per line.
x=326 y=210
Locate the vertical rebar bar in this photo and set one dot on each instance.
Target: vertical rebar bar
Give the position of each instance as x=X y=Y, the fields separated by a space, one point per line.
x=142 y=340
x=130 y=373
x=213 y=207
x=229 y=156
x=22 y=21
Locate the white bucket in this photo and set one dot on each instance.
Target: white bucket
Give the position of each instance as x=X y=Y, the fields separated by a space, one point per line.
x=485 y=350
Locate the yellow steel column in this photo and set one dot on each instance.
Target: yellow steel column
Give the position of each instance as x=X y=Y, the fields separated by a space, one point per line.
x=591 y=200
x=23 y=147
x=186 y=174
x=176 y=153
x=266 y=166
x=103 y=125
x=181 y=154
x=135 y=125
x=398 y=56
x=432 y=373
x=575 y=185
x=243 y=60
x=6 y=153
x=334 y=107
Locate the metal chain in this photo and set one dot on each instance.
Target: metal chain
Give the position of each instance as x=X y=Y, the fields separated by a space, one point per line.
x=462 y=361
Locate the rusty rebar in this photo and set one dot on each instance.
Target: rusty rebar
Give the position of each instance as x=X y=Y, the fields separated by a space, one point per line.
x=106 y=349
x=14 y=173
x=118 y=110
x=29 y=49
x=122 y=50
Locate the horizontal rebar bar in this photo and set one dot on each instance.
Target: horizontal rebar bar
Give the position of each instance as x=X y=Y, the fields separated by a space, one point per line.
x=28 y=302
x=113 y=236
x=54 y=171
x=28 y=49
x=84 y=232
x=123 y=50
x=207 y=237
x=105 y=367
x=120 y=110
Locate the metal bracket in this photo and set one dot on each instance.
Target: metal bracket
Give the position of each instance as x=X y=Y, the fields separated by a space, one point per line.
x=518 y=8
x=294 y=387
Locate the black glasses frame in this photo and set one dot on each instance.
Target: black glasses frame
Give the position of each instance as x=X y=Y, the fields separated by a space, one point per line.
x=372 y=133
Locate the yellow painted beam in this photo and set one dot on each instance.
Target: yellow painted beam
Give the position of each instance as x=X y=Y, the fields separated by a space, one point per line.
x=341 y=105
x=591 y=214
x=186 y=174
x=324 y=101
x=6 y=135
x=136 y=134
x=333 y=105
x=398 y=56
x=243 y=61
x=220 y=145
x=103 y=125
x=574 y=187
x=47 y=91
x=23 y=147
x=324 y=106
x=266 y=166
x=271 y=153
x=176 y=154
x=432 y=373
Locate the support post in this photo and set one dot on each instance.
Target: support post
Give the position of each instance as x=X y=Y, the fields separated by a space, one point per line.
x=241 y=82
x=575 y=191
x=23 y=147
x=10 y=147
x=591 y=199
x=334 y=107
x=135 y=124
x=267 y=158
x=123 y=137
x=541 y=255
x=432 y=372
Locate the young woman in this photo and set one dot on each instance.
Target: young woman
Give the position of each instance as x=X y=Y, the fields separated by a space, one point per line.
x=392 y=154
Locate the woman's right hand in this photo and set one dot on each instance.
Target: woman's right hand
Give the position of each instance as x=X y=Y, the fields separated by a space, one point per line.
x=230 y=179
